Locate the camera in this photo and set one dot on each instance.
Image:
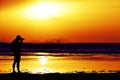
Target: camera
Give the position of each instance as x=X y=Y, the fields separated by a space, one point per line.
x=22 y=38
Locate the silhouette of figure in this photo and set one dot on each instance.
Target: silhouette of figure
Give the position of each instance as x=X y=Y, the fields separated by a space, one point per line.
x=15 y=47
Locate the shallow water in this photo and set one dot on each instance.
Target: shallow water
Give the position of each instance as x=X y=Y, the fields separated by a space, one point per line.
x=62 y=62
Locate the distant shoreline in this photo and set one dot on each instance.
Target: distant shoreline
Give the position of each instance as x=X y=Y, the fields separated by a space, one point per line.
x=66 y=47
x=66 y=51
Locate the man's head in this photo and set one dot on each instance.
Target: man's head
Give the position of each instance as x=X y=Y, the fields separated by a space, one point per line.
x=19 y=37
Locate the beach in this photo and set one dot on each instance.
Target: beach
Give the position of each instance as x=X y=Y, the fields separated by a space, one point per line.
x=57 y=76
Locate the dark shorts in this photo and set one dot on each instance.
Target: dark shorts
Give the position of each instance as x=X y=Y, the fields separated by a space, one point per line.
x=17 y=56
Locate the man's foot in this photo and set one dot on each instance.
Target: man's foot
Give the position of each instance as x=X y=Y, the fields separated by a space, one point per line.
x=13 y=72
x=19 y=71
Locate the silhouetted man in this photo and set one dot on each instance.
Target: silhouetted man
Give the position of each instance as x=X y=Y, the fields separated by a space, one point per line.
x=15 y=48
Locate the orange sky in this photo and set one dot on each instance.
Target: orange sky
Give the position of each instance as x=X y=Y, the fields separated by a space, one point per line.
x=71 y=21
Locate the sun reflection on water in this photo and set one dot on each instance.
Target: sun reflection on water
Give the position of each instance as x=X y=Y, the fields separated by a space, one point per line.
x=43 y=60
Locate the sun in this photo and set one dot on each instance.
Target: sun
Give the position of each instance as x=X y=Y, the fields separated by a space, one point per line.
x=43 y=10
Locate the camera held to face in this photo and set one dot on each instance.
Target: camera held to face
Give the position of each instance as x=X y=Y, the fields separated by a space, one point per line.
x=22 y=38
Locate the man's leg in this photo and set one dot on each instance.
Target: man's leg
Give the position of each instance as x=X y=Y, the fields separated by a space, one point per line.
x=14 y=62
x=18 y=63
